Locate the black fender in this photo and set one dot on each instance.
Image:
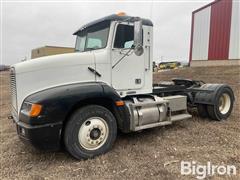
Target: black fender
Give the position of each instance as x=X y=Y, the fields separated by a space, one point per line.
x=59 y=102
x=209 y=99
x=208 y=93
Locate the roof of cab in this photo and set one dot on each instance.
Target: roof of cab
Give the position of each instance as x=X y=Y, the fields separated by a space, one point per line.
x=113 y=17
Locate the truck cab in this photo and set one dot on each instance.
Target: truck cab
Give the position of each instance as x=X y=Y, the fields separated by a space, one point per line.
x=80 y=100
x=111 y=42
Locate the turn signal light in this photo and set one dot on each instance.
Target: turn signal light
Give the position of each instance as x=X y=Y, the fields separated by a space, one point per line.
x=119 y=103
x=35 y=110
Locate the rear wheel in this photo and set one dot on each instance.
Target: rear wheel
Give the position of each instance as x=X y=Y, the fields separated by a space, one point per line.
x=90 y=131
x=223 y=105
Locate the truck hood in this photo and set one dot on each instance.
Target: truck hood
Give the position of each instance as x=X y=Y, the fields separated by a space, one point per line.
x=51 y=71
x=54 y=61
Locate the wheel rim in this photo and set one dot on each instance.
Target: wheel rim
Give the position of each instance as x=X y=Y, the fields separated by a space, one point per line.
x=93 y=133
x=224 y=103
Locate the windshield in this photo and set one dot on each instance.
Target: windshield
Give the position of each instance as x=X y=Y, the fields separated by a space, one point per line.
x=93 y=37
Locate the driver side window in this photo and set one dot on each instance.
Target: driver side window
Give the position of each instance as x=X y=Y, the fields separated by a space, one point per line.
x=124 y=36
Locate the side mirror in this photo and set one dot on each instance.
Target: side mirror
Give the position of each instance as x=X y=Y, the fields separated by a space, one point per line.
x=138 y=39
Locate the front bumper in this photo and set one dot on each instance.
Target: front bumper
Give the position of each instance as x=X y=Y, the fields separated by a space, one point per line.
x=45 y=137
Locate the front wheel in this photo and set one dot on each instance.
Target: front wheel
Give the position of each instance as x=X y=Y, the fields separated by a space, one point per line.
x=90 y=131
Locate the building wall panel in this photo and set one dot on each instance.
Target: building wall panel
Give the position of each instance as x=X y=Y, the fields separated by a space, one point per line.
x=220 y=27
x=234 y=49
x=50 y=50
x=201 y=30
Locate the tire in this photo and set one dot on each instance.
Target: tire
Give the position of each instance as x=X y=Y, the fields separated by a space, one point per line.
x=223 y=104
x=202 y=110
x=90 y=131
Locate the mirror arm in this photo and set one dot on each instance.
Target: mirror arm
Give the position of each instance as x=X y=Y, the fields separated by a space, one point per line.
x=121 y=59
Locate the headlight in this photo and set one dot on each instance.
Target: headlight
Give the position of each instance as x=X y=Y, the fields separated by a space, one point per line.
x=30 y=109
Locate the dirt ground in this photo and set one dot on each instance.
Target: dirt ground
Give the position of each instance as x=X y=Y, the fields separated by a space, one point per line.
x=150 y=154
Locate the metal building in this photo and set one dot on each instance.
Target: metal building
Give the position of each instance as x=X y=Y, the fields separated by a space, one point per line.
x=50 y=50
x=215 y=33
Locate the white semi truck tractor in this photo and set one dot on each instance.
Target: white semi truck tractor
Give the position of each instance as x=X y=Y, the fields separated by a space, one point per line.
x=80 y=100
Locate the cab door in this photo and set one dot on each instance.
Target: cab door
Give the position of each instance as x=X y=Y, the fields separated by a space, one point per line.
x=127 y=68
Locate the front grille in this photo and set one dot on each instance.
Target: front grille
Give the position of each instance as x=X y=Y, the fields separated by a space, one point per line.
x=13 y=88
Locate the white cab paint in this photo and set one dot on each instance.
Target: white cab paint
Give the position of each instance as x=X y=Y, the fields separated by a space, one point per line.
x=234 y=48
x=51 y=71
x=103 y=65
x=201 y=34
x=130 y=68
x=46 y=72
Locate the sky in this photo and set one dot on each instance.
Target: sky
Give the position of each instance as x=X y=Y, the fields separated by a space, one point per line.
x=26 y=25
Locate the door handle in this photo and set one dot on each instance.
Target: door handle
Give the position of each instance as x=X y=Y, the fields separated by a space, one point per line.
x=94 y=71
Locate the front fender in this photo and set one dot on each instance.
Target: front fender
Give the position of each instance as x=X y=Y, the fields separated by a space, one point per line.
x=58 y=101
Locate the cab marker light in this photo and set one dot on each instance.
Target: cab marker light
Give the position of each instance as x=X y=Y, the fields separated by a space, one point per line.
x=121 y=14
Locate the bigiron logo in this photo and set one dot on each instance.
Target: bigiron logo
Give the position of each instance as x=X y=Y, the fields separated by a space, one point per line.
x=201 y=171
